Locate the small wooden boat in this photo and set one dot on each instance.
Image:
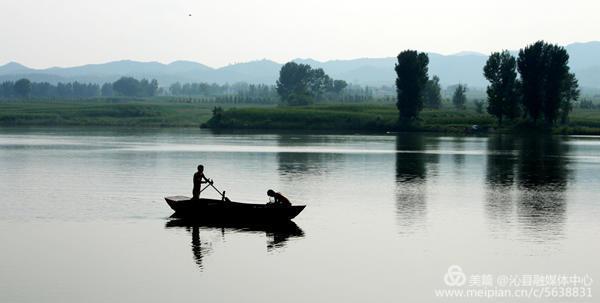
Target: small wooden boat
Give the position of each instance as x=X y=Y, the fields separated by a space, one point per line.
x=228 y=211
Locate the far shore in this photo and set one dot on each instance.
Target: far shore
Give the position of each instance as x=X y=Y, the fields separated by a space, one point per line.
x=376 y=118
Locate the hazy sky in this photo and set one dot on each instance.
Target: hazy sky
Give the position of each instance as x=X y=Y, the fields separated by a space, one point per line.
x=43 y=33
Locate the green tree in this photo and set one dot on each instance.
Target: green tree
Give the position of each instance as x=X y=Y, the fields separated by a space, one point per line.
x=147 y=88
x=531 y=66
x=292 y=85
x=339 y=86
x=127 y=86
x=548 y=88
x=433 y=93
x=411 y=71
x=107 y=90
x=503 y=94
x=459 y=99
x=175 y=89
x=7 y=89
x=22 y=88
x=319 y=83
x=479 y=106
x=570 y=95
x=556 y=81
x=299 y=84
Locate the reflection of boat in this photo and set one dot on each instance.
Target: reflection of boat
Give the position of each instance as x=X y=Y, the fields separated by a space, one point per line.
x=281 y=230
x=278 y=233
x=227 y=211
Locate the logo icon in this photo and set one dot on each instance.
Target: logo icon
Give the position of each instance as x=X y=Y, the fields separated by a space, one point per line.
x=455 y=276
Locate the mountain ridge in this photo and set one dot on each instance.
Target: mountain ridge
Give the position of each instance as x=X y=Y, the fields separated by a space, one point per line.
x=463 y=67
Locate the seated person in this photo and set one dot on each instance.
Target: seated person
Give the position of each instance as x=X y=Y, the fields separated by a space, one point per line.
x=279 y=198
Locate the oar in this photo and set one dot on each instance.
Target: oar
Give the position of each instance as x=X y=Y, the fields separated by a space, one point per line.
x=207 y=187
x=203 y=189
x=220 y=193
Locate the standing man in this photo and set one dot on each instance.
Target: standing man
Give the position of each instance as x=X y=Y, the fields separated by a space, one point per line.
x=199 y=179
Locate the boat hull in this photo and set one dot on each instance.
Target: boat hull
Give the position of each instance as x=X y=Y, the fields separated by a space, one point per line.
x=220 y=211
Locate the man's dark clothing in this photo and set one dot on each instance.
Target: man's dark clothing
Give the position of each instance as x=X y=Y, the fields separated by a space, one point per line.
x=198 y=176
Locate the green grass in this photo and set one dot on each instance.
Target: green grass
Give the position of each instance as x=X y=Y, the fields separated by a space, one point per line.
x=102 y=112
x=322 y=117
x=164 y=112
x=585 y=118
x=344 y=117
x=383 y=118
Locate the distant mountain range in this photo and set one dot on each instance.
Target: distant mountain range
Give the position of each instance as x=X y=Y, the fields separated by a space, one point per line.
x=464 y=67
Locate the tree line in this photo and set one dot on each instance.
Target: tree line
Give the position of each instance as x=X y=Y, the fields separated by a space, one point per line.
x=24 y=88
x=300 y=84
x=544 y=88
x=249 y=93
x=125 y=86
x=240 y=92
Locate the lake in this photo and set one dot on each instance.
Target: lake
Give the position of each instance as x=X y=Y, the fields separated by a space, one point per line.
x=82 y=216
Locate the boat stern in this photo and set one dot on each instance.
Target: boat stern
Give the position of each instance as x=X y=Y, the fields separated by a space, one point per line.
x=175 y=201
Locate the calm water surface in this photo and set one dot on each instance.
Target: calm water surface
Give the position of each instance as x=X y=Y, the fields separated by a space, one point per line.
x=82 y=215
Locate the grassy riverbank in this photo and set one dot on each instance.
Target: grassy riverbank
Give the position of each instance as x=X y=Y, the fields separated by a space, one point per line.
x=334 y=117
x=381 y=118
x=104 y=112
x=345 y=117
x=171 y=113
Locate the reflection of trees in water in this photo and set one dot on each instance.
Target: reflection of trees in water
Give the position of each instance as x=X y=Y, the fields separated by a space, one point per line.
x=301 y=164
x=543 y=173
x=501 y=160
x=543 y=163
x=412 y=159
x=277 y=234
x=500 y=177
x=458 y=145
x=540 y=173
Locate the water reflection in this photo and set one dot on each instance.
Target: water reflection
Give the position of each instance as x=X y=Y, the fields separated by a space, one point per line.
x=542 y=163
x=540 y=195
x=533 y=171
x=542 y=173
x=458 y=145
x=501 y=160
x=500 y=179
x=304 y=164
x=277 y=234
x=412 y=159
